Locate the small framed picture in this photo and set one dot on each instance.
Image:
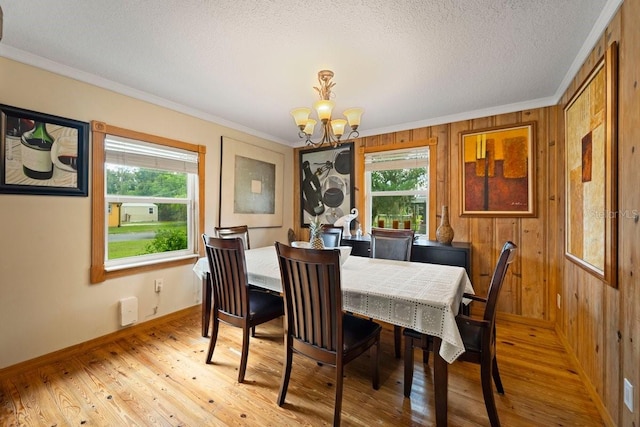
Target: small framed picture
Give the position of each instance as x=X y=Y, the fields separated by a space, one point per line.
x=42 y=154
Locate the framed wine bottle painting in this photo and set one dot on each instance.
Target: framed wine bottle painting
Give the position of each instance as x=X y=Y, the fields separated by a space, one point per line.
x=42 y=154
x=326 y=183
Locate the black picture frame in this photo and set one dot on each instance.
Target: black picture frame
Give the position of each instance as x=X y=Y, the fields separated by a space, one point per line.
x=63 y=173
x=326 y=183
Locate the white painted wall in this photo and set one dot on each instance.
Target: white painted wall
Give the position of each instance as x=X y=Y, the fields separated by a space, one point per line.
x=46 y=300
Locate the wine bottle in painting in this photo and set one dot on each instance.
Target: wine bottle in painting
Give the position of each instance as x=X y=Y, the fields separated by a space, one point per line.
x=36 y=152
x=15 y=127
x=311 y=191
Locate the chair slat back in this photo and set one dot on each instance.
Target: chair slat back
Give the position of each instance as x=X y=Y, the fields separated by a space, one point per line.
x=312 y=295
x=391 y=244
x=506 y=257
x=228 y=275
x=241 y=231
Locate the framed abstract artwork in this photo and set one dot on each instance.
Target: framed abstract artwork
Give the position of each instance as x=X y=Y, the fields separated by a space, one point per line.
x=497 y=171
x=326 y=183
x=591 y=172
x=42 y=154
x=251 y=185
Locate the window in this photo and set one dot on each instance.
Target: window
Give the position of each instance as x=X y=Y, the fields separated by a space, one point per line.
x=147 y=202
x=397 y=184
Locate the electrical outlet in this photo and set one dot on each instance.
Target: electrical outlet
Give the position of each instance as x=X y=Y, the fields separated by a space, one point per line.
x=628 y=394
x=158 y=284
x=559 y=301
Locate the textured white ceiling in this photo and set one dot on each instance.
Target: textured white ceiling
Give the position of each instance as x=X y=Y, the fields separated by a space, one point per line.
x=246 y=64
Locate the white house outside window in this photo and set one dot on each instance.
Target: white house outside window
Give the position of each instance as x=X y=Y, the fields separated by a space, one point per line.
x=150 y=197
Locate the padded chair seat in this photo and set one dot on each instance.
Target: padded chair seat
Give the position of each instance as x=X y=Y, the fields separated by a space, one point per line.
x=358 y=331
x=471 y=335
x=413 y=334
x=265 y=305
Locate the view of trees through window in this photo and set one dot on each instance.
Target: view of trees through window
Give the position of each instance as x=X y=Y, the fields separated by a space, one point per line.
x=399 y=198
x=397 y=183
x=147 y=210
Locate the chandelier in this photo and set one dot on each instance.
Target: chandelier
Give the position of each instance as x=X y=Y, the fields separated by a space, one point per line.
x=332 y=129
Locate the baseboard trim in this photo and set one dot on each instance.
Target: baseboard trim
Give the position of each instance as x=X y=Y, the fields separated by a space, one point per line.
x=606 y=417
x=84 y=346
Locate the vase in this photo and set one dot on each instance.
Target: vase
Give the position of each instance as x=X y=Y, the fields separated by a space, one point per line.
x=444 y=232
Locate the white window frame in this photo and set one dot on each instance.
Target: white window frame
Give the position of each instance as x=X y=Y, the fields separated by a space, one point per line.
x=101 y=269
x=127 y=152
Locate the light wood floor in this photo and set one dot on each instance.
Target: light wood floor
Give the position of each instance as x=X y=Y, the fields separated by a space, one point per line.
x=158 y=376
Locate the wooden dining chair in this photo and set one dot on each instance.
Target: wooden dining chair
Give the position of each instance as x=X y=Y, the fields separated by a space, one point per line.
x=392 y=244
x=478 y=336
x=234 y=303
x=331 y=236
x=241 y=231
x=315 y=325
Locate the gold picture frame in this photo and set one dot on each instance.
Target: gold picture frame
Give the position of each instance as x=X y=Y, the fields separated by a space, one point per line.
x=497 y=171
x=591 y=172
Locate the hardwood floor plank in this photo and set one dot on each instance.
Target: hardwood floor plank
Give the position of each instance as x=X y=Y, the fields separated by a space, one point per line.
x=158 y=376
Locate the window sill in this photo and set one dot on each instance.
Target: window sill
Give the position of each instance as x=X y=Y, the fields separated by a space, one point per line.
x=103 y=273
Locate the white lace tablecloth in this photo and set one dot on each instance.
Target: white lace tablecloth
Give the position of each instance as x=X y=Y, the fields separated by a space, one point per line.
x=420 y=296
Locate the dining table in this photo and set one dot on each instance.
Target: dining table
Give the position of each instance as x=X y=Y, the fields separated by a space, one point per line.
x=421 y=296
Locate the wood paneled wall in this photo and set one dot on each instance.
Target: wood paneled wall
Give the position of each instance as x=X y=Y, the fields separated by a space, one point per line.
x=625 y=361
x=531 y=283
x=599 y=324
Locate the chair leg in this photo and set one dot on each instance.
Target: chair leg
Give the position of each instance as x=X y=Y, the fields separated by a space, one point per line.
x=286 y=372
x=424 y=343
x=397 y=340
x=408 y=366
x=214 y=337
x=245 y=354
x=375 y=351
x=487 y=392
x=496 y=376
x=206 y=304
x=338 y=404
x=253 y=331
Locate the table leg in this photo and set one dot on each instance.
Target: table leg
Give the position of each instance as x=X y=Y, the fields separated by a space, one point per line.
x=206 y=303
x=441 y=374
